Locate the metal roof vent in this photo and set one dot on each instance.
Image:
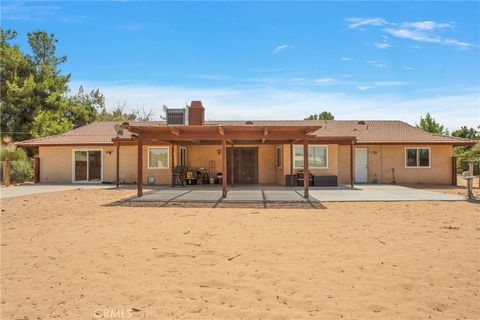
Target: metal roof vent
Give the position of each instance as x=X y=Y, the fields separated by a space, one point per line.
x=249 y=122
x=176 y=116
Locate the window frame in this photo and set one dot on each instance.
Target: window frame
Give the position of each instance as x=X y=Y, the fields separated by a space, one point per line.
x=311 y=145
x=278 y=157
x=158 y=168
x=418 y=158
x=184 y=149
x=73 y=164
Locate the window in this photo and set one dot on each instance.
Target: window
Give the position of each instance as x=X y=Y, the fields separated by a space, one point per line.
x=183 y=156
x=317 y=157
x=158 y=157
x=417 y=157
x=278 y=156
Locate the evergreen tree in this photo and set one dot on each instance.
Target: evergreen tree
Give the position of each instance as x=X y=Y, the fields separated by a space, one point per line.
x=324 y=115
x=430 y=125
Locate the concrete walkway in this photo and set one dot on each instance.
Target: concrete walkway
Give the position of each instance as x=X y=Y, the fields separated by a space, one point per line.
x=28 y=189
x=285 y=194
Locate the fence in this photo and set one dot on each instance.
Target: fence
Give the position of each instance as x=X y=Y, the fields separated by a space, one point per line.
x=19 y=171
x=464 y=164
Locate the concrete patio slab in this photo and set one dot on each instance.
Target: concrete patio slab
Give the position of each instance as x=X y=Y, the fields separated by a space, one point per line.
x=29 y=189
x=381 y=193
x=262 y=194
x=283 y=196
x=199 y=196
x=243 y=195
x=163 y=195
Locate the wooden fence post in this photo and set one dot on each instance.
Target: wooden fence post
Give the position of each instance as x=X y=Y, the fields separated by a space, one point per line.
x=6 y=173
x=36 y=169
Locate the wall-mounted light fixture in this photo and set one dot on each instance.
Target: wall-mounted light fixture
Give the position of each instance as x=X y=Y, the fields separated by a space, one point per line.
x=219 y=151
x=109 y=152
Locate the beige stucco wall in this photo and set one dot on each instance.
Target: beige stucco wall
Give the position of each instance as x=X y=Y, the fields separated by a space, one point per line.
x=383 y=158
x=199 y=156
x=56 y=163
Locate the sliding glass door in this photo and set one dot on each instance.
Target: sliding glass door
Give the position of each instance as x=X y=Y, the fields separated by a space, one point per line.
x=87 y=166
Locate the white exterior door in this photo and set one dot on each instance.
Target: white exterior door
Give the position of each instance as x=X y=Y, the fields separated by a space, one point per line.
x=361 y=165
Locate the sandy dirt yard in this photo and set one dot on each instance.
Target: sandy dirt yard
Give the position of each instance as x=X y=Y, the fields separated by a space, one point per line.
x=71 y=255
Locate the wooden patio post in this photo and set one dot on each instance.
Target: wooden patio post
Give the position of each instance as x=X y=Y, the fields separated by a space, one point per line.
x=173 y=158
x=139 y=166
x=224 y=166
x=118 y=165
x=231 y=166
x=291 y=165
x=352 y=168
x=306 y=174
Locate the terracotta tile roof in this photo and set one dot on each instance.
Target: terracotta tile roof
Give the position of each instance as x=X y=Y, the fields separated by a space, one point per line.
x=96 y=133
x=367 y=132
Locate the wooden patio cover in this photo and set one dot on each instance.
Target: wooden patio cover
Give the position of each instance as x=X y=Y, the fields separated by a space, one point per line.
x=221 y=135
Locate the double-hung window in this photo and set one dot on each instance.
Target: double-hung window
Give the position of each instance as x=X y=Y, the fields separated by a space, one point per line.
x=317 y=157
x=158 y=158
x=417 y=157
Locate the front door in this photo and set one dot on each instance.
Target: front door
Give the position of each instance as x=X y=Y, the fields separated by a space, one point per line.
x=245 y=165
x=87 y=166
x=361 y=165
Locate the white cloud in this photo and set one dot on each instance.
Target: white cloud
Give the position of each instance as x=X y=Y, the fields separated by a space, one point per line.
x=421 y=31
x=269 y=103
x=383 y=45
x=210 y=76
x=363 y=88
x=324 y=81
x=346 y=59
x=408 y=68
x=358 y=22
x=281 y=48
x=378 y=64
x=377 y=84
x=427 y=25
x=421 y=36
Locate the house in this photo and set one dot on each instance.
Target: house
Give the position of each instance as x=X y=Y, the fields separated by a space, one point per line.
x=248 y=152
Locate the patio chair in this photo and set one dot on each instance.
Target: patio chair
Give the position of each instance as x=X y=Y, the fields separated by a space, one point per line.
x=178 y=176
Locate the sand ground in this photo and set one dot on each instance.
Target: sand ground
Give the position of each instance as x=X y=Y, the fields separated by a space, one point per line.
x=71 y=255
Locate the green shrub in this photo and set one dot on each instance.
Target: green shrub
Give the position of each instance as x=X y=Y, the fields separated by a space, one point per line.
x=13 y=155
x=21 y=170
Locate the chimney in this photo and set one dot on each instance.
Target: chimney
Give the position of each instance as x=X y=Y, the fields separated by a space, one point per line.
x=196 y=113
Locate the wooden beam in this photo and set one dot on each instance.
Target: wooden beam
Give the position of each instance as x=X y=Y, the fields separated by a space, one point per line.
x=194 y=141
x=118 y=165
x=310 y=130
x=230 y=141
x=221 y=131
x=139 y=166
x=175 y=131
x=295 y=141
x=306 y=174
x=265 y=133
x=352 y=167
x=215 y=136
x=224 y=166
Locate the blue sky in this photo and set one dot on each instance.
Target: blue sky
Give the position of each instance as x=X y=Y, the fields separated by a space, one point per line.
x=246 y=60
